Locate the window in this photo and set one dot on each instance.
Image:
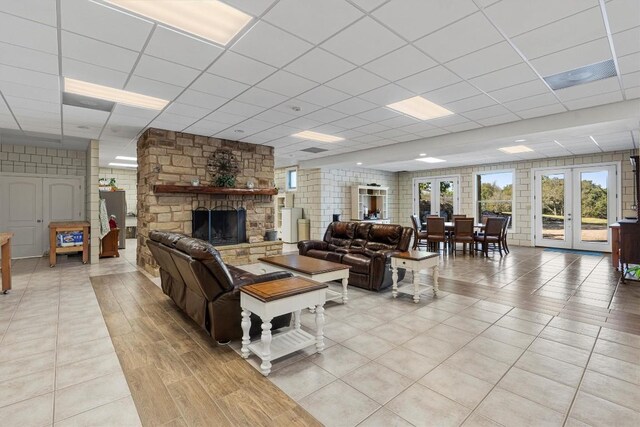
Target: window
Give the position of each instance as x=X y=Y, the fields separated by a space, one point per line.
x=495 y=194
x=292 y=179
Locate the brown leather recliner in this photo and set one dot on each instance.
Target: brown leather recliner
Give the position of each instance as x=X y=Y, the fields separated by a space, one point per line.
x=366 y=247
x=193 y=274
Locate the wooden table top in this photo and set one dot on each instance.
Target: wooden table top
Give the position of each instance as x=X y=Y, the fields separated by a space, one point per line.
x=281 y=288
x=69 y=224
x=304 y=264
x=416 y=255
x=4 y=238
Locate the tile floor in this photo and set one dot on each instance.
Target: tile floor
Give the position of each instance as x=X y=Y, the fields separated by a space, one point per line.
x=533 y=338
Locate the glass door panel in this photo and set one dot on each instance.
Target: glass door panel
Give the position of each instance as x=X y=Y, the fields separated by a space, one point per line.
x=446 y=199
x=553 y=203
x=436 y=196
x=424 y=200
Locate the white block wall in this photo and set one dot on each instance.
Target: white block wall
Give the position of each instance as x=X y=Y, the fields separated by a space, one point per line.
x=42 y=161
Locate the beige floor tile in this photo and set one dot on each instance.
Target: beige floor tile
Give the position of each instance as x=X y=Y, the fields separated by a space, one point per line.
x=81 y=335
x=338 y=404
x=339 y=331
x=477 y=313
x=27 y=365
x=492 y=306
x=363 y=321
x=122 y=413
x=430 y=347
x=617 y=351
x=552 y=369
x=615 y=368
x=467 y=324
x=408 y=363
x=451 y=307
x=377 y=382
x=560 y=351
x=88 y=369
x=414 y=323
x=510 y=409
x=572 y=422
x=85 y=350
x=476 y=420
x=573 y=339
x=620 y=337
x=520 y=325
x=509 y=336
x=368 y=345
x=421 y=406
x=35 y=412
x=26 y=387
x=574 y=326
x=339 y=360
x=600 y=412
x=29 y=334
x=384 y=418
x=530 y=316
x=88 y=395
x=538 y=389
x=301 y=378
x=393 y=333
x=612 y=389
x=495 y=349
x=478 y=365
x=451 y=335
x=456 y=385
x=433 y=313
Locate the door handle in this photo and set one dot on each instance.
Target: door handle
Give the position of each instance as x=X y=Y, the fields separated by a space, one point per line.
x=38 y=220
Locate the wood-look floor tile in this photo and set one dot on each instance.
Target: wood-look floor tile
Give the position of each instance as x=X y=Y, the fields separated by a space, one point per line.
x=196 y=406
x=153 y=401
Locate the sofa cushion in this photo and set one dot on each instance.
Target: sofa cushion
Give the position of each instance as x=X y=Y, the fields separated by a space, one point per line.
x=326 y=255
x=167 y=238
x=359 y=263
x=209 y=256
x=383 y=237
x=339 y=234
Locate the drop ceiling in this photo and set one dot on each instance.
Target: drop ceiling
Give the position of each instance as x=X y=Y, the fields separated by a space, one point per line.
x=331 y=67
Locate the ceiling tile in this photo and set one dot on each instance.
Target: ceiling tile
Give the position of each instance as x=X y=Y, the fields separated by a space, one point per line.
x=287 y=84
x=532 y=15
x=97 y=53
x=28 y=77
x=104 y=23
x=51 y=94
x=253 y=7
x=351 y=122
x=504 y=78
x=326 y=115
x=378 y=114
x=588 y=89
x=297 y=107
x=241 y=69
x=241 y=109
x=82 y=116
x=270 y=45
x=165 y=71
x=153 y=88
x=43 y=11
x=623 y=14
x=356 y=82
x=219 y=86
x=363 y=41
x=465 y=36
x=182 y=49
x=566 y=33
x=498 y=120
x=632 y=93
x=28 y=58
x=353 y=106
x=483 y=113
x=429 y=80
x=483 y=61
x=568 y=59
x=629 y=63
x=387 y=94
x=471 y=103
x=415 y=18
x=531 y=102
x=368 y=5
x=261 y=97
x=626 y=42
x=201 y=99
x=522 y=90
x=251 y=127
x=372 y=128
x=92 y=73
x=25 y=33
x=140 y=113
x=275 y=117
x=224 y=118
x=451 y=93
x=400 y=121
x=319 y=65
x=400 y=63
x=303 y=123
x=462 y=127
x=324 y=96
x=313 y=21
x=631 y=80
x=542 y=111
x=31 y=104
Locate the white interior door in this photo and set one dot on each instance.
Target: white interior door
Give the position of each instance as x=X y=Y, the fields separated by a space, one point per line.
x=574 y=207
x=62 y=199
x=436 y=196
x=21 y=214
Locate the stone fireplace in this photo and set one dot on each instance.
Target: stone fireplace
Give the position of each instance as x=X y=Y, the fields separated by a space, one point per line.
x=168 y=162
x=220 y=226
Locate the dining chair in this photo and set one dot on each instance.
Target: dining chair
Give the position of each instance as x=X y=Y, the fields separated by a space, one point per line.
x=492 y=235
x=463 y=233
x=420 y=238
x=505 y=232
x=456 y=216
x=436 y=232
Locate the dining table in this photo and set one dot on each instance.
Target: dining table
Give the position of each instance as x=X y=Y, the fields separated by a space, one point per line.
x=449 y=226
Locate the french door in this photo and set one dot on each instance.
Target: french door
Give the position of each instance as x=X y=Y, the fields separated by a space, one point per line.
x=574 y=207
x=436 y=196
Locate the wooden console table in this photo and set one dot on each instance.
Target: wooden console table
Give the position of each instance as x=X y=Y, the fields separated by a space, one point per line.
x=62 y=226
x=5 y=245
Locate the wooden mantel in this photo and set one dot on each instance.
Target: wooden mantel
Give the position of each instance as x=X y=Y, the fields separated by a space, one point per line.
x=207 y=189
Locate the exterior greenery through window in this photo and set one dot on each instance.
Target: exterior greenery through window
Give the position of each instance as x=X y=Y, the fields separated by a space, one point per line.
x=495 y=194
x=292 y=179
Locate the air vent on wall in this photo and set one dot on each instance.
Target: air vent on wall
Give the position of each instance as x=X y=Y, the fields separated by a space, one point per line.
x=314 y=150
x=582 y=75
x=87 y=102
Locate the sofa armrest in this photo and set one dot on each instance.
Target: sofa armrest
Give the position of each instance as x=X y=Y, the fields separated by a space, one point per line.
x=305 y=246
x=350 y=250
x=276 y=275
x=382 y=254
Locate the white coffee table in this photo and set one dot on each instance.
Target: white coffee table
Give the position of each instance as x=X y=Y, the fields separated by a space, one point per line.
x=274 y=298
x=415 y=261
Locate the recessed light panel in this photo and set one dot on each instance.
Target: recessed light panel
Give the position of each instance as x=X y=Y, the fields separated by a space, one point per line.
x=314 y=150
x=582 y=75
x=420 y=108
x=131 y=159
x=93 y=90
x=123 y=165
x=316 y=136
x=430 y=160
x=210 y=19
x=515 y=149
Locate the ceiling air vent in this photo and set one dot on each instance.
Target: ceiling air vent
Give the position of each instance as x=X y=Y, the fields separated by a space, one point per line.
x=87 y=102
x=314 y=150
x=578 y=76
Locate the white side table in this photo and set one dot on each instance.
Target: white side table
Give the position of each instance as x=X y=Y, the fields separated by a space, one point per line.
x=415 y=261
x=274 y=298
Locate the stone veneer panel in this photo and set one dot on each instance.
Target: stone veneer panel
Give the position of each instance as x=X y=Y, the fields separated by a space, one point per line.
x=167 y=157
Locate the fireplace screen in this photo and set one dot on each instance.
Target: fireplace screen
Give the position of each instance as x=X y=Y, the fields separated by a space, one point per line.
x=220 y=226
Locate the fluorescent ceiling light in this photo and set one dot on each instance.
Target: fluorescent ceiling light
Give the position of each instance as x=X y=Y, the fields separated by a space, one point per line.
x=359 y=163
x=210 y=19
x=423 y=154
x=131 y=159
x=520 y=140
x=114 y=95
x=124 y=165
x=515 y=149
x=594 y=140
x=430 y=160
x=316 y=136
x=420 y=108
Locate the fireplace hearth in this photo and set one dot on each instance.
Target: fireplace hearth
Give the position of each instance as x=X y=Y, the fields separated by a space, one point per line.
x=223 y=225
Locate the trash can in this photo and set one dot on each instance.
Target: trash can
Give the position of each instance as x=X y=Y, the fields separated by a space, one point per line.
x=304 y=225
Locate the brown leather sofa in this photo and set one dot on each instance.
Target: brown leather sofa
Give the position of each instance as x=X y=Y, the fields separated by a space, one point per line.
x=193 y=274
x=366 y=247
